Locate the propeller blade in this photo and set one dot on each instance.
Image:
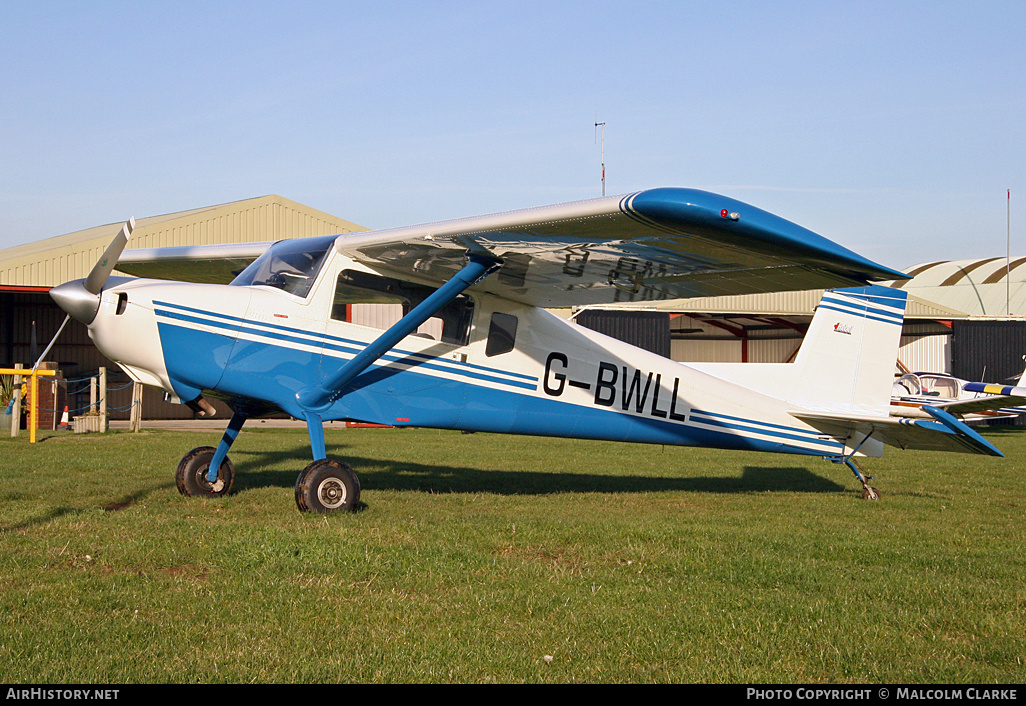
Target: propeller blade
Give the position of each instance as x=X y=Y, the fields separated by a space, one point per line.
x=52 y=341
x=102 y=269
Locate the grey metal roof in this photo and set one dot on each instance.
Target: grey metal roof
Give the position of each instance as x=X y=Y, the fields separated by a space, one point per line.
x=52 y=261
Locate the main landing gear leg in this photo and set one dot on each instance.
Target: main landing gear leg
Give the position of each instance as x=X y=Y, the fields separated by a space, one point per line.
x=326 y=485
x=208 y=472
x=330 y=486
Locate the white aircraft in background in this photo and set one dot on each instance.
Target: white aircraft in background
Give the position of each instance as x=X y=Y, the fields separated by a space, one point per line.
x=279 y=337
x=969 y=401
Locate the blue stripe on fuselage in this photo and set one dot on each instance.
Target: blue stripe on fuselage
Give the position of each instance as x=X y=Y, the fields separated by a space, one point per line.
x=346 y=346
x=465 y=400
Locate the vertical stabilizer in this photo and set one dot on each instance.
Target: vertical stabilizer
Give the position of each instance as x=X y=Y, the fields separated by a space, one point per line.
x=846 y=362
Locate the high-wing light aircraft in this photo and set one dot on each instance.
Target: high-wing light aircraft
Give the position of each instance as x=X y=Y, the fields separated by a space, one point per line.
x=969 y=401
x=279 y=337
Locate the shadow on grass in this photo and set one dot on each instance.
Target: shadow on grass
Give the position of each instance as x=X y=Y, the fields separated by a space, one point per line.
x=256 y=470
x=385 y=474
x=117 y=505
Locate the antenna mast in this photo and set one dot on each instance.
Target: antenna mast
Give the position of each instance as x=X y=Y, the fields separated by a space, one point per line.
x=603 y=124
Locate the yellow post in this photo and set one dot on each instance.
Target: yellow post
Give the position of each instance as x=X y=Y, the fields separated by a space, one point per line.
x=33 y=390
x=33 y=407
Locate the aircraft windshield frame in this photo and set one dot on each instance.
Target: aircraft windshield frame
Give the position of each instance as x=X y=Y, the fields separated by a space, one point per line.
x=288 y=265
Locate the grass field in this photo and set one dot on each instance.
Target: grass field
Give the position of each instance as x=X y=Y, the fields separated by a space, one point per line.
x=485 y=558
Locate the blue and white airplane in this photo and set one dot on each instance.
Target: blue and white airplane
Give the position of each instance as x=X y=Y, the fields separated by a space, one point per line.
x=280 y=336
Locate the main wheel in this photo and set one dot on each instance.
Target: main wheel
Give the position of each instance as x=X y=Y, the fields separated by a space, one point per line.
x=327 y=486
x=191 y=477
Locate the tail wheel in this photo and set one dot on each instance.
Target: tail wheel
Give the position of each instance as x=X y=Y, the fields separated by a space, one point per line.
x=327 y=486
x=191 y=477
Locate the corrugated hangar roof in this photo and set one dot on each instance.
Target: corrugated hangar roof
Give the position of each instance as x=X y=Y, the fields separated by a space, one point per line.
x=989 y=288
x=52 y=261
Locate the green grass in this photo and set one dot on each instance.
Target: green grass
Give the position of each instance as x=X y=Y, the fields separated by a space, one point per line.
x=485 y=558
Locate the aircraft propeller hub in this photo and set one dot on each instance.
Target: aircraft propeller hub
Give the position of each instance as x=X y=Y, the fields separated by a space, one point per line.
x=76 y=300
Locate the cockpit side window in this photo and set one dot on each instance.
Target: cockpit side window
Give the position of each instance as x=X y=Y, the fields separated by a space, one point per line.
x=288 y=265
x=357 y=288
x=502 y=334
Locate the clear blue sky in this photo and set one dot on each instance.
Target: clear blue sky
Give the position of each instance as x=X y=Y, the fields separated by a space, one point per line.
x=894 y=128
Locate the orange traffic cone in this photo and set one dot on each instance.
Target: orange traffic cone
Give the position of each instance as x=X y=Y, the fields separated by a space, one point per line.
x=64 y=419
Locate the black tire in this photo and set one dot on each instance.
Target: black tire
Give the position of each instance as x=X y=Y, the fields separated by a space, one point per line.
x=191 y=477
x=327 y=486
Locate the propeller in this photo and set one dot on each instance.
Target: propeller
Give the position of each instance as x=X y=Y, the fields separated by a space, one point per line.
x=102 y=269
x=53 y=340
x=81 y=298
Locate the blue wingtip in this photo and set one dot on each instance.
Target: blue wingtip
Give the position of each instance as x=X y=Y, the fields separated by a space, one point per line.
x=693 y=207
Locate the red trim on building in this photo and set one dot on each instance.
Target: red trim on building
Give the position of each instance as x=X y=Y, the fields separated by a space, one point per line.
x=17 y=288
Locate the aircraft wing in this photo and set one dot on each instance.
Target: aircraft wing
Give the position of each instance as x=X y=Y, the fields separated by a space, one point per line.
x=652 y=245
x=983 y=404
x=666 y=243
x=997 y=397
x=212 y=264
x=942 y=433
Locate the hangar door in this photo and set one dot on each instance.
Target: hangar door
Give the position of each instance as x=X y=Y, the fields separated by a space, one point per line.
x=989 y=351
x=649 y=330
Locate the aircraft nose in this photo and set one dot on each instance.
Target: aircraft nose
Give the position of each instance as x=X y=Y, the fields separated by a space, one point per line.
x=76 y=300
x=80 y=298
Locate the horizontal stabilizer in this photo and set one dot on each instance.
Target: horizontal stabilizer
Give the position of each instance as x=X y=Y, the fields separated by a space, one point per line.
x=987 y=388
x=964 y=434
x=943 y=433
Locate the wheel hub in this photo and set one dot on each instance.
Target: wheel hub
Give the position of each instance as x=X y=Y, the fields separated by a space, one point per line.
x=201 y=476
x=332 y=493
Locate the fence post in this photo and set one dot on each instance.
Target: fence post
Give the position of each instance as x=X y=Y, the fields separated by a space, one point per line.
x=16 y=410
x=136 y=413
x=103 y=400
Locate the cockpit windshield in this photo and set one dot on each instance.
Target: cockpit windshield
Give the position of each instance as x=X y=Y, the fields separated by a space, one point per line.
x=289 y=265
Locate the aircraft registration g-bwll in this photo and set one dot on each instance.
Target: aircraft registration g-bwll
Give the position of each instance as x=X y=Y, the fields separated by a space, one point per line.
x=278 y=337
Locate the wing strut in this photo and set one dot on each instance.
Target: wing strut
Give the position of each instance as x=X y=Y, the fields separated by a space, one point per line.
x=316 y=400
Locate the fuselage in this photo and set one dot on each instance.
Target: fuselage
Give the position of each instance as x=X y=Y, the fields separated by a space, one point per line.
x=499 y=366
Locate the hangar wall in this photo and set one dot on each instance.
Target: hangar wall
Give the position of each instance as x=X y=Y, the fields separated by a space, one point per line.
x=988 y=349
